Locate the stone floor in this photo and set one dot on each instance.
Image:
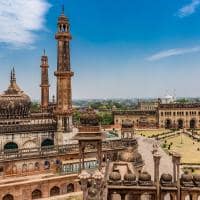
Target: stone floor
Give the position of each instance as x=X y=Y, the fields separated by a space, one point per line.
x=145 y=147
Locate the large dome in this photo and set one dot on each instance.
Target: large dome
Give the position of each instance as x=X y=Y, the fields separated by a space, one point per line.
x=14 y=103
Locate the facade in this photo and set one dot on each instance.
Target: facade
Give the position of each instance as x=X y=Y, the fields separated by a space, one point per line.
x=179 y=115
x=148 y=105
x=171 y=115
x=139 y=118
x=30 y=155
x=39 y=153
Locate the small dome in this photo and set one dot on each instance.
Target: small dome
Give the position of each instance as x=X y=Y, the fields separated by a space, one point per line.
x=89 y=118
x=127 y=124
x=186 y=177
x=129 y=177
x=115 y=176
x=84 y=175
x=144 y=176
x=14 y=103
x=130 y=156
x=196 y=177
x=97 y=175
x=166 y=177
x=92 y=192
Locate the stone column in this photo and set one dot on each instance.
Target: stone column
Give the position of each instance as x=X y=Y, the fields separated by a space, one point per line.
x=156 y=158
x=176 y=163
x=84 y=177
x=99 y=153
x=174 y=171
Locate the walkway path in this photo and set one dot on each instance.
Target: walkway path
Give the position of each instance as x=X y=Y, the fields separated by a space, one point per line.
x=145 y=147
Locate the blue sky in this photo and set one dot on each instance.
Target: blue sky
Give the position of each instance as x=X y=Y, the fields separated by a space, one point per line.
x=123 y=48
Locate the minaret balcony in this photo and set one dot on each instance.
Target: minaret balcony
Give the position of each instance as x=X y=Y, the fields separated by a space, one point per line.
x=63 y=35
x=64 y=73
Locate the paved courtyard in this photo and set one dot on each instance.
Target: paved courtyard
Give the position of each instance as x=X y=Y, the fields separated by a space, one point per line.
x=145 y=147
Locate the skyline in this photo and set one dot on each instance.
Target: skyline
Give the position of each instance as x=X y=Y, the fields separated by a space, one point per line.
x=130 y=50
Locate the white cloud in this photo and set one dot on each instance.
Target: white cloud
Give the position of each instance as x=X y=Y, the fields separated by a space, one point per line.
x=189 y=8
x=172 y=52
x=19 y=19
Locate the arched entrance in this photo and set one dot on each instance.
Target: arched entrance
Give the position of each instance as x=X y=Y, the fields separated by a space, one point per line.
x=36 y=194
x=180 y=123
x=192 y=123
x=168 y=124
x=146 y=197
x=188 y=197
x=70 y=188
x=8 y=197
x=54 y=191
x=47 y=143
x=168 y=196
x=10 y=147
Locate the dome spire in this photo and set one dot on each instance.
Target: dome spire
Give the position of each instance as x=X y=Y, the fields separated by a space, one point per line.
x=11 y=76
x=14 y=76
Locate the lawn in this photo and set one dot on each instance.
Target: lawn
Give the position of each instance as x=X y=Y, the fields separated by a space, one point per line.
x=149 y=133
x=186 y=147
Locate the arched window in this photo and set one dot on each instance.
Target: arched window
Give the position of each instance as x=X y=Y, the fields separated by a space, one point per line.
x=54 y=191
x=70 y=188
x=46 y=164
x=168 y=124
x=192 y=123
x=37 y=166
x=180 y=123
x=10 y=146
x=36 y=194
x=24 y=168
x=47 y=142
x=8 y=197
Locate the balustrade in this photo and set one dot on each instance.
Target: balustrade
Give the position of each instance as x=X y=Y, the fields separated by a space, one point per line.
x=56 y=150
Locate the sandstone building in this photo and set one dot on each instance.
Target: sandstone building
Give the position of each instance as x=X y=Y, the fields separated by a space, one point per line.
x=162 y=115
x=41 y=157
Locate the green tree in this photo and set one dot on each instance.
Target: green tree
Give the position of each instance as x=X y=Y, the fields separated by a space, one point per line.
x=106 y=118
x=35 y=107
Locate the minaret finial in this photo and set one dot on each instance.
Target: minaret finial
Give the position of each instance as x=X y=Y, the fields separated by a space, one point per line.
x=11 y=76
x=13 y=73
x=63 y=9
x=44 y=52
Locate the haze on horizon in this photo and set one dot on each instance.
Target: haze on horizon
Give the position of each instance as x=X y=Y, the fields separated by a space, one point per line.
x=123 y=49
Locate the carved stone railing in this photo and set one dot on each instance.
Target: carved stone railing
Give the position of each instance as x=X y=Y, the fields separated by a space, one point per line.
x=27 y=127
x=58 y=150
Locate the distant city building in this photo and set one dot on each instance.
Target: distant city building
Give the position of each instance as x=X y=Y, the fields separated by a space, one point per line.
x=150 y=105
x=168 y=99
x=168 y=115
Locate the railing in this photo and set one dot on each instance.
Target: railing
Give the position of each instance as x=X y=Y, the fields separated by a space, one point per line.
x=58 y=150
x=27 y=127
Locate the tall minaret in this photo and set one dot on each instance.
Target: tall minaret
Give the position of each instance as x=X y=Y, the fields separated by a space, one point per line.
x=44 y=82
x=63 y=74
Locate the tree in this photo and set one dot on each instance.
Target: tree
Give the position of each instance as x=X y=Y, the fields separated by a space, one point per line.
x=76 y=116
x=35 y=107
x=106 y=118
